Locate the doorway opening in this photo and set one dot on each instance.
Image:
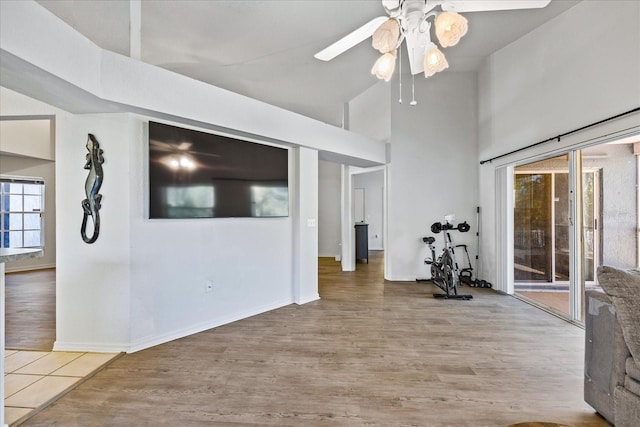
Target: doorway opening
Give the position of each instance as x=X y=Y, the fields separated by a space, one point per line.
x=27 y=220
x=351 y=201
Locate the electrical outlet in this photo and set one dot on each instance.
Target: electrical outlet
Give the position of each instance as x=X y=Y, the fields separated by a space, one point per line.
x=208 y=286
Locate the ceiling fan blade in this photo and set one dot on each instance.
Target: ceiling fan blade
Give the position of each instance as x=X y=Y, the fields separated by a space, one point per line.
x=487 y=5
x=200 y=153
x=159 y=145
x=351 y=39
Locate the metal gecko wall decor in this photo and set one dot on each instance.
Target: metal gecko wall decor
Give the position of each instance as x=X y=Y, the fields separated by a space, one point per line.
x=91 y=205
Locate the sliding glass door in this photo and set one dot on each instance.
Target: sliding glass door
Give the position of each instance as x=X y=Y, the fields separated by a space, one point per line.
x=541 y=233
x=573 y=213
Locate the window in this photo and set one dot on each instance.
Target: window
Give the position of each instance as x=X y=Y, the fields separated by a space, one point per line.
x=269 y=201
x=188 y=201
x=21 y=212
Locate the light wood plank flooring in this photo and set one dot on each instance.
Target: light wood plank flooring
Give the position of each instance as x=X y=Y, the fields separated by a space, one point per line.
x=30 y=310
x=369 y=353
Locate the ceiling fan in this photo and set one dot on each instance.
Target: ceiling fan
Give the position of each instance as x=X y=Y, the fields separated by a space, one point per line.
x=180 y=156
x=409 y=21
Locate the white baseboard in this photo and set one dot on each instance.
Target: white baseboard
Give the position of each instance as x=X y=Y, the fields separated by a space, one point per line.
x=327 y=254
x=307 y=299
x=402 y=279
x=89 y=347
x=154 y=340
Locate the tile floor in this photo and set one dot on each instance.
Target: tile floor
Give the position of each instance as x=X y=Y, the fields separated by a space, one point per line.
x=33 y=379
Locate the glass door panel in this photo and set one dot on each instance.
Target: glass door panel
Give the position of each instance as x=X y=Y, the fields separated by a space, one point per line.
x=532 y=222
x=541 y=233
x=610 y=208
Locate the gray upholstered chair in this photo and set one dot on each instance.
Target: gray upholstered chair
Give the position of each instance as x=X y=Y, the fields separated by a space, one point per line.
x=612 y=347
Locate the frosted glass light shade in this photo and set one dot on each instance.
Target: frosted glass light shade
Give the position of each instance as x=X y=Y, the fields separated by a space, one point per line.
x=434 y=60
x=384 y=66
x=450 y=27
x=385 y=38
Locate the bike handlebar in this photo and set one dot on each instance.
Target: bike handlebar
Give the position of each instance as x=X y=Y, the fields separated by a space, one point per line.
x=437 y=227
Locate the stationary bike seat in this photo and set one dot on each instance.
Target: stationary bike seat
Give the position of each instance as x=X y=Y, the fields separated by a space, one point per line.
x=429 y=240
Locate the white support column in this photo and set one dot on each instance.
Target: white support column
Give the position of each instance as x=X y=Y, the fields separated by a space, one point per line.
x=305 y=227
x=347 y=223
x=385 y=223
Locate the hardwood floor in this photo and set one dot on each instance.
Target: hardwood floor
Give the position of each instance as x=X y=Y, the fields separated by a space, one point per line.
x=30 y=310
x=370 y=352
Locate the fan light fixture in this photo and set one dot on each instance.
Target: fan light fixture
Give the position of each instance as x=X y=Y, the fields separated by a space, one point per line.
x=450 y=27
x=385 y=66
x=434 y=60
x=385 y=38
x=180 y=163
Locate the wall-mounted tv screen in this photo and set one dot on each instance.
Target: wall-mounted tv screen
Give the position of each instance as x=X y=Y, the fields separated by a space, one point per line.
x=196 y=174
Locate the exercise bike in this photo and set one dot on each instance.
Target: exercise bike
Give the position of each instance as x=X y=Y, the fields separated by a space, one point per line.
x=445 y=272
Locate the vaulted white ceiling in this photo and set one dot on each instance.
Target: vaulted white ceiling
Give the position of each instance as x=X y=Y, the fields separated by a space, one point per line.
x=264 y=49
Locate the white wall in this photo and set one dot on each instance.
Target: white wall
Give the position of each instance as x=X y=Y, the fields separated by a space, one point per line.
x=433 y=169
x=25 y=166
x=578 y=68
x=329 y=209
x=16 y=104
x=93 y=281
x=373 y=185
x=249 y=262
x=143 y=281
x=31 y=138
x=370 y=112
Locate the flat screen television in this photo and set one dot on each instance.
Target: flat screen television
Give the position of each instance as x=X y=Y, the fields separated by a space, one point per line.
x=196 y=174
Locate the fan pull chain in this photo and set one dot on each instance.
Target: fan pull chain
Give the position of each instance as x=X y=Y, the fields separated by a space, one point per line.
x=413 y=84
x=400 y=75
x=413 y=90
